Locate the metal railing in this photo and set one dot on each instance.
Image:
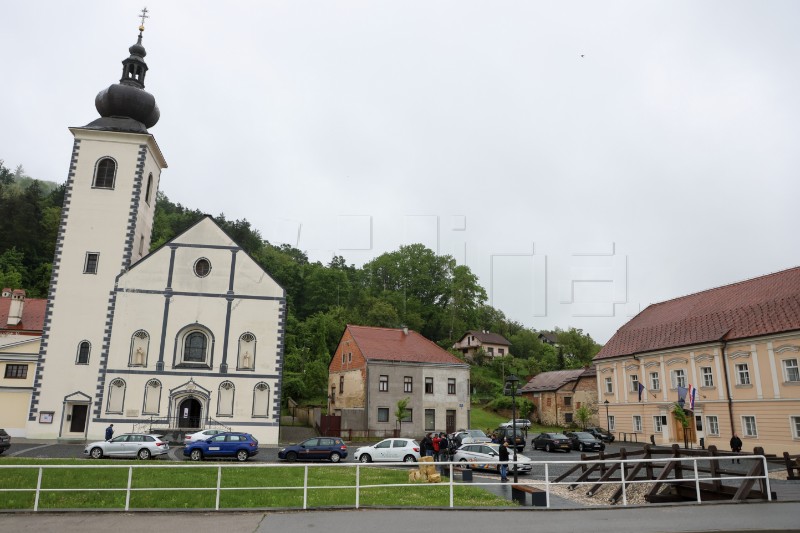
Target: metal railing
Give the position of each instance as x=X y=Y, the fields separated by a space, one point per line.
x=450 y=466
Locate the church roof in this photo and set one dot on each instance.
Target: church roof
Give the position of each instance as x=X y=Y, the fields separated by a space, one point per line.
x=389 y=344
x=760 y=306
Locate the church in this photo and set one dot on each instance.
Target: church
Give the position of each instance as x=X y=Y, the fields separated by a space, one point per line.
x=186 y=337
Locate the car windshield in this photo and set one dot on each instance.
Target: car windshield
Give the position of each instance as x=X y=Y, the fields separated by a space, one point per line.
x=558 y=436
x=584 y=435
x=476 y=433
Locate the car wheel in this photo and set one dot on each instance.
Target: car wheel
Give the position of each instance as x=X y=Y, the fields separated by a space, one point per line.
x=335 y=457
x=365 y=458
x=144 y=454
x=291 y=457
x=96 y=453
x=196 y=455
x=409 y=459
x=549 y=448
x=242 y=455
x=581 y=447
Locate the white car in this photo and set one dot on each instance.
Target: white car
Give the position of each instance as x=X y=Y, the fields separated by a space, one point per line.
x=487 y=457
x=202 y=435
x=524 y=423
x=128 y=445
x=399 y=449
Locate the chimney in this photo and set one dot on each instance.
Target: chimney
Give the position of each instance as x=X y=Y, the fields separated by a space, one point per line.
x=405 y=330
x=15 y=307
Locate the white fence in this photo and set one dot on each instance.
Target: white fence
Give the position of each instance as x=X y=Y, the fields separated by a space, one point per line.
x=450 y=467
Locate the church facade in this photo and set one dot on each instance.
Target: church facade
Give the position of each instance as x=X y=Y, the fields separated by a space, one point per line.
x=188 y=336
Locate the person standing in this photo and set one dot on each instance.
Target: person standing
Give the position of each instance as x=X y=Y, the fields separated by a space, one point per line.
x=504 y=461
x=109 y=431
x=736 y=446
x=444 y=447
x=426 y=444
x=436 y=440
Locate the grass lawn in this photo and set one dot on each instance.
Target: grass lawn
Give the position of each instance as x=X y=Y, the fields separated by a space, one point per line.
x=482 y=419
x=254 y=487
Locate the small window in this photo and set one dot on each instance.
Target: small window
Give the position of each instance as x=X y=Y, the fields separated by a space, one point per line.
x=194 y=348
x=713 y=425
x=501 y=351
x=261 y=400
x=408 y=384
x=749 y=425
x=428 y=385
x=796 y=427
x=568 y=418
x=609 y=386
x=678 y=378
x=91 y=263
x=634 y=382
x=430 y=419
x=637 y=423
x=612 y=423
x=349 y=357
x=116 y=396
x=383 y=414
x=567 y=401
x=451 y=385
x=84 y=347
x=742 y=374
x=149 y=188
x=225 y=397
x=16 y=371
x=141 y=244
x=342 y=357
x=790 y=370
x=655 y=383
x=657 y=425
x=708 y=377
x=152 y=397
x=490 y=350
x=104 y=173
x=409 y=416
x=202 y=267
x=383 y=384
x=341 y=384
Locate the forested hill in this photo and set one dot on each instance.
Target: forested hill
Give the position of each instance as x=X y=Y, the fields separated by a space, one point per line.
x=411 y=286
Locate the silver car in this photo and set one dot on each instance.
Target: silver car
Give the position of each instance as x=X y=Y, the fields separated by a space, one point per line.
x=128 y=445
x=487 y=457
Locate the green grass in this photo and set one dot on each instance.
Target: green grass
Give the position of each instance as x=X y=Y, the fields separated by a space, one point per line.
x=482 y=419
x=257 y=487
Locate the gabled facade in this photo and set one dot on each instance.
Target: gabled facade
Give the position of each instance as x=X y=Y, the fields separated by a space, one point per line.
x=558 y=394
x=738 y=346
x=493 y=344
x=374 y=368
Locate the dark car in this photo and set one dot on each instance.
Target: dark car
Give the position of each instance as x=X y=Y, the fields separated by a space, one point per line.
x=315 y=449
x=584 y=441
x=551 y=442
x=242 y=446
x=508 y=433
x=5 y=440
x=600 y=433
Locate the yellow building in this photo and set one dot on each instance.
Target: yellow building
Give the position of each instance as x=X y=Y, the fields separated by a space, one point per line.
x=738 y=346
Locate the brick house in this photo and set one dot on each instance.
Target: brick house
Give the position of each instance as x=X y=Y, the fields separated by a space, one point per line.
x=737 y=345
x=494 y=344
x=374 y=368
x=558 y=394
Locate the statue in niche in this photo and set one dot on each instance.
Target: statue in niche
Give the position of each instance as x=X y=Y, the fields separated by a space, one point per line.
x=139 y=358
x=246 y=360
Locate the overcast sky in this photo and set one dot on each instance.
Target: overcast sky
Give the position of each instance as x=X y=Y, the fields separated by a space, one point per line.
x=584 y=159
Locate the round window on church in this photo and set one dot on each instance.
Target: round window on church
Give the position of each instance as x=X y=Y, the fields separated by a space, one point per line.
x=202 y=267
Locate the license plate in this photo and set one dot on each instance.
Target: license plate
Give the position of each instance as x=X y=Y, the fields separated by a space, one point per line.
x=213 y=448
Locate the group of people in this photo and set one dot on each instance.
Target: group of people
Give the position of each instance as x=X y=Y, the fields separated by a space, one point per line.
x=437 y=446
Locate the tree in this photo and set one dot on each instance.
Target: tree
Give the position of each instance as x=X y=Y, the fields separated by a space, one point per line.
x=582 y=415
x=683 y=419
x=401 y=413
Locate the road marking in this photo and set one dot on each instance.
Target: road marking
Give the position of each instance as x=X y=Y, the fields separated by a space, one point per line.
x=15 y=454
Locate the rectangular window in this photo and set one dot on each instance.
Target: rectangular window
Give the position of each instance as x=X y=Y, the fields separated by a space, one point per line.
x=349 y=357
x=567 y=401
x=796 y=427
x=501 y=351
x=430 y=419
x=790 y=370
x=342 y=357
x=713 y=425
x=409 y=416
x=408 y=384
x=612 y=424
x=341 y=384
x=490 y=351
x=749 y=425
x=637 y=423
x=742 y=374
x=383 y=384
x=91 y=262
x=655 y=383
x=16 y=371
x=698 y=422
x=634 y=382
x=609 y=386
x=383 y=414
x=678 y=378
x=451 y=385
x=428 y=385
x=568 y=418
x=657 y=426
x=708 y=377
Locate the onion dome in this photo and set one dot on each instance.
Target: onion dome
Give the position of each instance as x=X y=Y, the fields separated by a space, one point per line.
x=126 y=106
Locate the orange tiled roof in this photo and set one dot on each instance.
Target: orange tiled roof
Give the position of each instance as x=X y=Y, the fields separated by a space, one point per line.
x=760 y=306
x=32 y=316
x=388 y=344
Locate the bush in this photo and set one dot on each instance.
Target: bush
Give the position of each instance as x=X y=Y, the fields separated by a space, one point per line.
x=503 y=403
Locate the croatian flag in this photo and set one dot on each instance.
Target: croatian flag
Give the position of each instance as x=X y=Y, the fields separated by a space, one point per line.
x=641 y=390
x=691 y=392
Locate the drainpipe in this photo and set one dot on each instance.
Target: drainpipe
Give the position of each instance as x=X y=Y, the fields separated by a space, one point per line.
x=727 y=382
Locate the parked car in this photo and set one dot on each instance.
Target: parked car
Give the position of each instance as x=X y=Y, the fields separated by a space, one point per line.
x=487 y=456
x=5 y=440
x=406 y=450
x=316 y=448
x=469 y=436
x=228 y=444
x=509 y=433
x=600 y=433
x=519 y=422
x=584 y=441
x=551 y=442
x=202 y=435
x=128 y=445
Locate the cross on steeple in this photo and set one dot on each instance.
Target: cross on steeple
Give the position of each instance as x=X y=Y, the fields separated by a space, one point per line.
x=144 y=15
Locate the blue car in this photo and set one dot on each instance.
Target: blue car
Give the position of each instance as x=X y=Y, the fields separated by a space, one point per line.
x=316 y=448
x=229 y=444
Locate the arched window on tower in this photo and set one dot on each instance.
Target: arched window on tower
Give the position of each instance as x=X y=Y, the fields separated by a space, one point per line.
x=116 y=396
x=261 y=400
x=152 y=397
x=84 y=348
x=149 y=188
x=225 y=399
x=104 y=173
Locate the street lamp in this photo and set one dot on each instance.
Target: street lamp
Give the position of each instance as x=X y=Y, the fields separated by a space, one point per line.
x=511 y=382
x=608 y=418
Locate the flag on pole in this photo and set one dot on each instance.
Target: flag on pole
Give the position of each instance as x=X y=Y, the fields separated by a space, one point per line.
x=691 y=393
x=641 y=390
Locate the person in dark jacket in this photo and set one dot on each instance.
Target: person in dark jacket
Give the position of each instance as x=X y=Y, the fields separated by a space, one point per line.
x=109 y=431
x=426 y=444
x=736 y=446
x=504 y=461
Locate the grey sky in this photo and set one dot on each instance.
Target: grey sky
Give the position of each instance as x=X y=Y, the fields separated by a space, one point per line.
x=474 y=127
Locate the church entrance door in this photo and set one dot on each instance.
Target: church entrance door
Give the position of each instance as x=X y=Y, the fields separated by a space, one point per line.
x=78 y=421
x=189 y=413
